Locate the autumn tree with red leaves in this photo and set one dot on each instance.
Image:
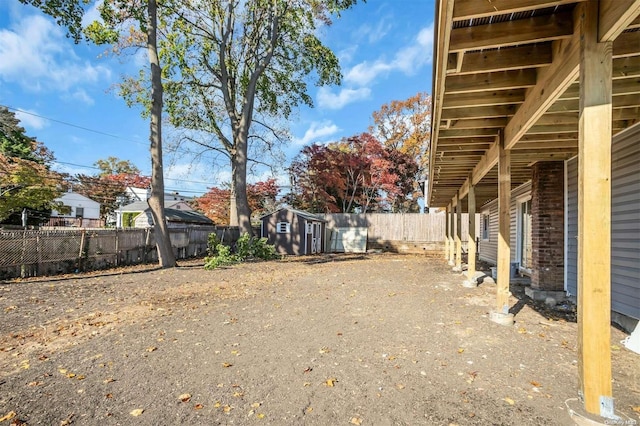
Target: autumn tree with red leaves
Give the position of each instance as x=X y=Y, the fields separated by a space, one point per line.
x=109 y=186
x=356 y=174
x=216 y=202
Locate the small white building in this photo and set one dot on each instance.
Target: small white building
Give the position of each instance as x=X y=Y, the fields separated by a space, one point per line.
x=84 y=212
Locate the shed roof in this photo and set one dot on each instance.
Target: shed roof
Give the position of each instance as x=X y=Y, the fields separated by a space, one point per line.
x=188 y=216
x=301 y=213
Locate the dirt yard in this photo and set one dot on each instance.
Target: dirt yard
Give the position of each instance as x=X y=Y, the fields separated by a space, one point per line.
x=362 y=340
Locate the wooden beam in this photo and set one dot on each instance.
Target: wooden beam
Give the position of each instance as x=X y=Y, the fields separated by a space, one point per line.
x=615 y=17
x=552 y=82
x=484 y=82
x=594 y=218
x=487 y=163
x=451 y=240
x=447 y=231
x=473 y=9
x=478 y=112
x=473 y=123
x=504 y=225
x=626 y=44
x=471 y=240
x=512 y=33
x=626 y=67
x=498 y=97
x=458 y=266
x=443 y=25
x=467 y=133
x=512 y=58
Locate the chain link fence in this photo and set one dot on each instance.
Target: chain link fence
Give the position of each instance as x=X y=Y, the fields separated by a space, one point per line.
x=49 y=252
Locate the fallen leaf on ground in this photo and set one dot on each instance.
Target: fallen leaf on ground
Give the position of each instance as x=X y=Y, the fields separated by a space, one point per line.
x=198 y=406
x=636 y=408
x=185 y=397
x=309 y=409
x=536 y=384
x=109 y=380
x=509 y=401
x=34 y=383
x=227 y=365
x=356 y=421
x=522 y=330
x=151 y=348
x=460 y=350
x=227 y=408
x=255 y=405
x=8 y=416
x=331 y=382
x=137 y=412
x=260 y=415
x=238 y=394
x=400 y=386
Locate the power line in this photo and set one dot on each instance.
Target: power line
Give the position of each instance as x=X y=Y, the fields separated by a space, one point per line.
x=99 y=132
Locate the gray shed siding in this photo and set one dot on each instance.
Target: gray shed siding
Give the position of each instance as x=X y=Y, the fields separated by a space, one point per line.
x=571 y=227
x=297 y=241
x=488 y=249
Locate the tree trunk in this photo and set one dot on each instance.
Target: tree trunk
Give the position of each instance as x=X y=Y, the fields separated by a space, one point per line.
x=166 y=258
x=239 y=184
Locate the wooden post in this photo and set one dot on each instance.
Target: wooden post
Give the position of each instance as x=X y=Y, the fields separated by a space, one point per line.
x=471 y=244
x=451 y=232
x=458 y=266
x=446 y=232
x=501 y=315
x=594 y=217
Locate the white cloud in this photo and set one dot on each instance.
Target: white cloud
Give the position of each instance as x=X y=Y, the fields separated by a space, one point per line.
x=36 y=55
x=82 y=96
x=92 y=14
x=30 y=120
x=316 y=132
x=328 y=99
x=407 y=60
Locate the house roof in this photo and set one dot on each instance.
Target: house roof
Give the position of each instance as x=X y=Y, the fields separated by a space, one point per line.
x=509 y=70
x=140 y=206
x=301 y=213
x=189 y=216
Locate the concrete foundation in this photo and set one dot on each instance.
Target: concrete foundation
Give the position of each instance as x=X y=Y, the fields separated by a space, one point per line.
x=549 y=297
x=500 y=318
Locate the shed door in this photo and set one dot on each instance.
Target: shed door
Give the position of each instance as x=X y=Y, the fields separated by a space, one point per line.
x=316 y=238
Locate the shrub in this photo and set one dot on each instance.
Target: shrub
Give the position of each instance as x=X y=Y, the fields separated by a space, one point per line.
x=247 y=248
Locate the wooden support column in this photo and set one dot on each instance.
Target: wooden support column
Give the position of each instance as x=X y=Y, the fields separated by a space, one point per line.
x=458 y=261
x=447 y=233
x=451 y=241
x=471 y=245
x=502 y=315
x=594 y=217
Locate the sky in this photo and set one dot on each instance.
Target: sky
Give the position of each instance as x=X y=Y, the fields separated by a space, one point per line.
x=64 y=93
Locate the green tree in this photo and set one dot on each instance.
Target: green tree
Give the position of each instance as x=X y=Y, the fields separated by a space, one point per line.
x=117 y=28
x=26 y=180
x=230 y=62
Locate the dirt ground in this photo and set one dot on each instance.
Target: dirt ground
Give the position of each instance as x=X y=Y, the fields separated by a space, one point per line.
x=376 y=339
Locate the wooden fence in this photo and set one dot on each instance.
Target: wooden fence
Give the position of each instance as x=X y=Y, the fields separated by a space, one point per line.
x=402 y=232
x=50 y=252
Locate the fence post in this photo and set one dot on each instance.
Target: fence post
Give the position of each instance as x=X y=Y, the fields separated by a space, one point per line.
x=117 y=249
x=81 y=251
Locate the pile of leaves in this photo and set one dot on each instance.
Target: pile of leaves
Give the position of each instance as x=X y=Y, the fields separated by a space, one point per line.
x=246 y=249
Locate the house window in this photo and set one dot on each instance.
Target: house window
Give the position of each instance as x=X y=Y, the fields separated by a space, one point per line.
x=524 y=233
x=283 y=227
x=79 y=211
x=485 y=226
x=309 y=228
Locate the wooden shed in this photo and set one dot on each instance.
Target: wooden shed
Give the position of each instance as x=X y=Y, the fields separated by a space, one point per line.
x=294 y=231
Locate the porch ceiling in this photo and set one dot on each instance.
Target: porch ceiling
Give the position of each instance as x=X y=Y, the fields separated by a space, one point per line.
x=511 y=67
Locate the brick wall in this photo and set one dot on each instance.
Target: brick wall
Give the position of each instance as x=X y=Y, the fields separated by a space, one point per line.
x=547 y=217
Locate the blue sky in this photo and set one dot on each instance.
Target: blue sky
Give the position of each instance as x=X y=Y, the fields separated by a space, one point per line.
x=66 y=99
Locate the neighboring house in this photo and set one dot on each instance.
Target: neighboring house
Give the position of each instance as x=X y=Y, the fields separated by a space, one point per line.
x=125 y=215
x=83 y=211
x=176 y=218
x=294 y=231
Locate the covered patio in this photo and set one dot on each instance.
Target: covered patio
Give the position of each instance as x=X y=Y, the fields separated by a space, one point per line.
x=523 y=91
